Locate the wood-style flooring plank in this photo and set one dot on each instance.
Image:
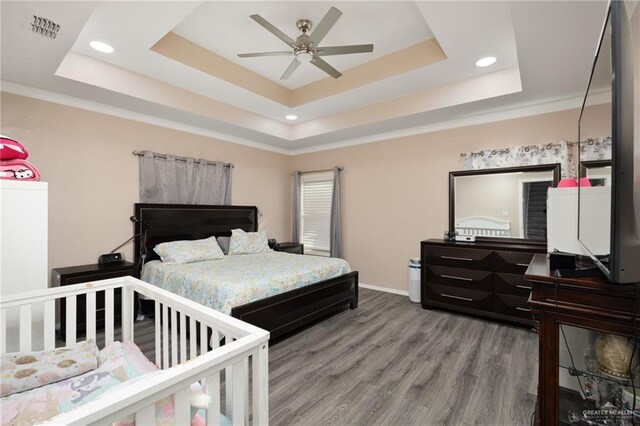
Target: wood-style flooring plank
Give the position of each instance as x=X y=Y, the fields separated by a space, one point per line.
x=389 y=362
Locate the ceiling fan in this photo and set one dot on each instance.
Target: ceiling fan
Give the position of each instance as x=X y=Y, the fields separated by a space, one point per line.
x=306 y=47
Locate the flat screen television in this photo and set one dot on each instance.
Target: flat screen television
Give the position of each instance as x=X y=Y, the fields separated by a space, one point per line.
x=613 y=75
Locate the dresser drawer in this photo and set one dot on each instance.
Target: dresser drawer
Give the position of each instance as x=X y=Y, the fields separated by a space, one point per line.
x=460 y=277
x=514 y=284
x=459 y=296
x=458 y=257
x=512 y=261
x=515 y=306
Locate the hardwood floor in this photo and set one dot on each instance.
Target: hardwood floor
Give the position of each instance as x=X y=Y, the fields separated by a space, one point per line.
x=389 y=362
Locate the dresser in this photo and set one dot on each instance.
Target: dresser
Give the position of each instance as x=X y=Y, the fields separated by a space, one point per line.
x=481 y=278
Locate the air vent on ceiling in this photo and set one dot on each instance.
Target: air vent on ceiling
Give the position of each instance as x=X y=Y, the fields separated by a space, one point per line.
x=44 y=27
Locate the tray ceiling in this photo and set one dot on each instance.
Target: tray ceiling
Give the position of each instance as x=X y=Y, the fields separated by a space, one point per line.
x=176 y=61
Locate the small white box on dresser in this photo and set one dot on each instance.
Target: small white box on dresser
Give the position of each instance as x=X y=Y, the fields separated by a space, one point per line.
x=23 y=244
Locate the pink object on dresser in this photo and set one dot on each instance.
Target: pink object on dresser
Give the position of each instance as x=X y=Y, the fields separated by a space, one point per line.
x=18 y=170
x=567 y=183
x=585 y=181
x=11 y=149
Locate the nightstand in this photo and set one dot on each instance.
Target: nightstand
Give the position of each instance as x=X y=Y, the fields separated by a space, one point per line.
x=83 y=274
x=295 y=248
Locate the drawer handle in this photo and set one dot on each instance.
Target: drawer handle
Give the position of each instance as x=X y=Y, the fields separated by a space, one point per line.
x=456 y=278
x=523 y=264
x=466 y=259
x=456 y=297
x=523 y=309
x=524 y=286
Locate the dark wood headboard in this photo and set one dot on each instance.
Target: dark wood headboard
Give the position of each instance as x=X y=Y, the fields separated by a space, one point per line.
x=173 y=222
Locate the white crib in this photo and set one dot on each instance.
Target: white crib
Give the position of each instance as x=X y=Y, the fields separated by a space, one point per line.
x=483 y=226
x=176 y=349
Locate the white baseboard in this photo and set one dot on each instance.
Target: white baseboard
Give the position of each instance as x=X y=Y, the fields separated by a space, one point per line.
x=384 y=289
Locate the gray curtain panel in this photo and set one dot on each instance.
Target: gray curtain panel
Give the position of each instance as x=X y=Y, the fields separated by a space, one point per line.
x=335 y=229
x=168 y=179
x=295 y=213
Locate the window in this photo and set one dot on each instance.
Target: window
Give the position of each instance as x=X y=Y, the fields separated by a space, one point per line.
x=316 y=190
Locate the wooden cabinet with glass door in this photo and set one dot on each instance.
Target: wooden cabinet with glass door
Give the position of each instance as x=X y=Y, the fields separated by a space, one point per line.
x=588 y=353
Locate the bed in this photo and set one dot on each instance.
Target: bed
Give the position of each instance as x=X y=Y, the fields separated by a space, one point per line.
x=171 y=391
x=279 y=312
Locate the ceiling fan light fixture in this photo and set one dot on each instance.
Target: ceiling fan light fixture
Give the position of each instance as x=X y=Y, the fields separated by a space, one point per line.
x=485 y=62
x=304 y=57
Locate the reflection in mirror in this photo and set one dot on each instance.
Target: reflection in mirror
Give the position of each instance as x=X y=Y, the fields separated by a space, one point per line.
x=598 y=172
x=502 y=202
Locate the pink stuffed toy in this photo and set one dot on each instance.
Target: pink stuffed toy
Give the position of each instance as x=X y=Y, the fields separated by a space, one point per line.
x=11 y=149
x=13 y=161
x=18 y=170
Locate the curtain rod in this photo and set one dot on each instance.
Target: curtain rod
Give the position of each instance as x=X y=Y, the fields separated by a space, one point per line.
x=319 y=171
x=212 y=163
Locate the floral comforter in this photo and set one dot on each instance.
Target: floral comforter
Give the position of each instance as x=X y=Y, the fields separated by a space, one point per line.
x=236 y=280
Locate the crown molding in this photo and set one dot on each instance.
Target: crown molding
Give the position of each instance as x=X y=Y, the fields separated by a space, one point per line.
x=71 y=101
x=538 y=108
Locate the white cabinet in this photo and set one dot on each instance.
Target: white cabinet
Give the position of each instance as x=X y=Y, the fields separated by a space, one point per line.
x=23 y=236
x=23 y=247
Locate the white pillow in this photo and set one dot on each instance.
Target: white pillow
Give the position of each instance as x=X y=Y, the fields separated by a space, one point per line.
x=248 y=242
x=189 y=251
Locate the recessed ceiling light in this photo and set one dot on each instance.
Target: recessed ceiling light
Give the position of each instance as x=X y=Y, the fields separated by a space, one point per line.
x=485 y=62
x=291 y=117
x=101 y=47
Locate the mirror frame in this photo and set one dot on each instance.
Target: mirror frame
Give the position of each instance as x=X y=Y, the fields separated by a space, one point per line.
x=592 y=164
x=555 y=168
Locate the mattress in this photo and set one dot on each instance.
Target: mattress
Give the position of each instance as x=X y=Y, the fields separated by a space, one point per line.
x=236 y=280
x=121 y=364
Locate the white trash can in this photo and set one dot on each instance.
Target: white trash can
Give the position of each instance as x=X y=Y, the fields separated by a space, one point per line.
x=414 y=279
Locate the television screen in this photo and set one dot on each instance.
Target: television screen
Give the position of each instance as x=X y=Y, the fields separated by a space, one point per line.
x=609 y=195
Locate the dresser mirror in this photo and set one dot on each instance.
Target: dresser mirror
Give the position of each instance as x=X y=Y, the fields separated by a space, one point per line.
x=504 y=203
x=598 y=172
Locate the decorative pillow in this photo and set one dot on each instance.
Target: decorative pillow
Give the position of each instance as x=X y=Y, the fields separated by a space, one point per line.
x=11 y=149
x=21 y=371
x=248 y=242
x=223 y=242
x=189 y=251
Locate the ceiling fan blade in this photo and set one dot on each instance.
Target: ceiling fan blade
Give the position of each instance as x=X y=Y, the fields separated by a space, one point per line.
x=343 y=50
x=273 y=30
x=290 y=69
x=324 y=26
x=318 y=62
x=255 y=55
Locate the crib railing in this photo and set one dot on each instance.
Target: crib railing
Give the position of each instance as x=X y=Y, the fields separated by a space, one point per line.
x=187 y=350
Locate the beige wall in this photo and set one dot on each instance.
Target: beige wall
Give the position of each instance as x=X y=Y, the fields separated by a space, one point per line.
x=395 y=192
x=93 y=177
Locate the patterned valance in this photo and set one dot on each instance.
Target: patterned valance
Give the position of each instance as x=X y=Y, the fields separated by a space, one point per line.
x=563 y=152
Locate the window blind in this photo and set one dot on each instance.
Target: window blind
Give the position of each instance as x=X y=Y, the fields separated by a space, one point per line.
x=315 y=199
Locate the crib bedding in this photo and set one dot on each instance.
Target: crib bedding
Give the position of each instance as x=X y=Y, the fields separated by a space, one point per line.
x=121 y=364
x=236 y=280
